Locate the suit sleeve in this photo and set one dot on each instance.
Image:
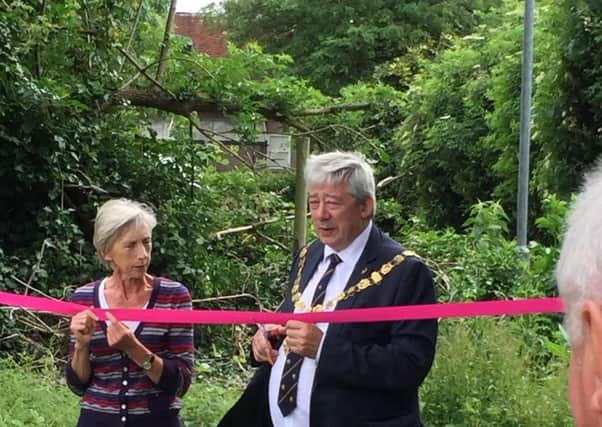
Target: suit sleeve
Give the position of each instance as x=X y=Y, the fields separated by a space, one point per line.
x=386 y=356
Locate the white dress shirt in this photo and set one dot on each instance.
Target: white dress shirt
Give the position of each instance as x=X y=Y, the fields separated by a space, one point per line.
x=300 y=415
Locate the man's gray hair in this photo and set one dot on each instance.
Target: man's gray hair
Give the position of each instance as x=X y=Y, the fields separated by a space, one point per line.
x=579 y=269
x=337 y=167
x=115 y=217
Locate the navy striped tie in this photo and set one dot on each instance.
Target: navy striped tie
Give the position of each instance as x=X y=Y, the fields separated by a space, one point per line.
x=287 y=393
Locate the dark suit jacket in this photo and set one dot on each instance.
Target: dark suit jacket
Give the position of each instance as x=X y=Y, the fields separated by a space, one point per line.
x=368 y=374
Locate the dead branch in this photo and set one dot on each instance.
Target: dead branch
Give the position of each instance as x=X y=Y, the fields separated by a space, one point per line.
x=272 y=241
x=333 y=109
x=230 y=297
x=142 y=71
x=203 y=132
x=165 y=45
x=199 y=104
x=387 y=181
x=307 y=131
x=36 y=267
x=29 y=287
x=134 y=28
x=254 y=226
x=229 y=138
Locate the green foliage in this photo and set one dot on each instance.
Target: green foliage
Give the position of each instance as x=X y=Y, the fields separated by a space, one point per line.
x=34 y=389
x=208 y=400
x=567 y=107
x=441 y=145
x=33 y=393
x=336 y=44
x=480 y=264
x=457 y=141
x=481 y=378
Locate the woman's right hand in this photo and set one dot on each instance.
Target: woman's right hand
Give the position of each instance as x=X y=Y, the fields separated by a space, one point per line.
x=82 y=327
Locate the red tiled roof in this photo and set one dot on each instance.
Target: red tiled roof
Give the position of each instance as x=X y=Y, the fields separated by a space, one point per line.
x=205 y=38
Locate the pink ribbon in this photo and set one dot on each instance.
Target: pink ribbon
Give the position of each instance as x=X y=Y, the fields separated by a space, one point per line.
x=377 y=314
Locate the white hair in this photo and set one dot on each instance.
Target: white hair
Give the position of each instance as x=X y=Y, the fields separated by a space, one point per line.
x=579 y=269
x=337 y=167
x=115 y=217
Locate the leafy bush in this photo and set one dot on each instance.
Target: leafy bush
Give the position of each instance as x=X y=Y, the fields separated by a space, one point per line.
x=482 y=378
x=34 y=395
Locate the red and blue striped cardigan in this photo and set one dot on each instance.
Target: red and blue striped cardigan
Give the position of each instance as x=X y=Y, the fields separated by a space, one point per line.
x=118 y=391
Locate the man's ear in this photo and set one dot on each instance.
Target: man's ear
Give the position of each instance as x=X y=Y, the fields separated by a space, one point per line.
x=591 y=317
x=367 y=208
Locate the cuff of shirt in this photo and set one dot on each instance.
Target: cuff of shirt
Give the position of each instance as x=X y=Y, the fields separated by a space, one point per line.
x=171 y=378
x=75 y=384
x=320 y=346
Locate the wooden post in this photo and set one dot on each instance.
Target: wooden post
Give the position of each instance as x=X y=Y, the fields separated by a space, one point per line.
x=302 y=152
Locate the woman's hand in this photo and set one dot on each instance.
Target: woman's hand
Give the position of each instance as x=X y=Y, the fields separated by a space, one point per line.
x=82 y=327
x=119 y=335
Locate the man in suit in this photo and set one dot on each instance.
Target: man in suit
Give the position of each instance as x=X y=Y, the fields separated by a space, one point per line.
x=579 y=277
x=355 y=374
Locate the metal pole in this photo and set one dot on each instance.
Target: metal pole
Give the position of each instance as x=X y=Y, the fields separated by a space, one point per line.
x=525 y=130
x=302 y=152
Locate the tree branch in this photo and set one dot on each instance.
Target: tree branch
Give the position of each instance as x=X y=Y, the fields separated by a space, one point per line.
x=197 y=125
x=333 y=109
x=165 y=45
x=134 y=29
x=222 y=233
x=307 y=131
x=199 y=104
x=142 y=70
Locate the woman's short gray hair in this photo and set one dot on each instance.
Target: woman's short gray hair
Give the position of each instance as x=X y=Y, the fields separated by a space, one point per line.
x=579 y=268
x=336 y=167
x=115 y=217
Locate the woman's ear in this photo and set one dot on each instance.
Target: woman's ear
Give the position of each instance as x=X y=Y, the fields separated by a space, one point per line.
x=107 y=257
x=591 y=317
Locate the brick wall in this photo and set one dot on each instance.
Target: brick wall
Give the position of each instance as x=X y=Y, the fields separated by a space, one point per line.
x=205 y=38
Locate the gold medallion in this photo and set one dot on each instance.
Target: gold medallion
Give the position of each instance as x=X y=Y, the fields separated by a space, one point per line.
x=386 y=268
x=363 y=284
x=376 y=277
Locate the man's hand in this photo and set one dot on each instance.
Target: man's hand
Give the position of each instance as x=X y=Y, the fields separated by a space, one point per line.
x=262 y=348
x=119 y=335
x=303 y=338
x=82 y=327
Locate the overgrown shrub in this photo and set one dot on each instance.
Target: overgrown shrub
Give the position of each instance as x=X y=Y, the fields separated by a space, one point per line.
x=482 y=378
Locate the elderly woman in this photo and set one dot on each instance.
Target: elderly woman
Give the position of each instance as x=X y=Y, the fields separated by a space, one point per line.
x=128 y=373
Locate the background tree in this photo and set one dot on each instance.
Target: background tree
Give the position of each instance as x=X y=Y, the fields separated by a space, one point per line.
x=334 y=44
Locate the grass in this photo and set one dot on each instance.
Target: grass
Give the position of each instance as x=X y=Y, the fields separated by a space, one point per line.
x=34 y=394
x=483 y=376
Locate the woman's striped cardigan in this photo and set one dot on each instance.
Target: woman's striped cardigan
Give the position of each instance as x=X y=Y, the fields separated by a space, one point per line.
x=118 y=391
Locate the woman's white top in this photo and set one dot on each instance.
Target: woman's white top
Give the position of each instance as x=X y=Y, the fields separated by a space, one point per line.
x=133 y=325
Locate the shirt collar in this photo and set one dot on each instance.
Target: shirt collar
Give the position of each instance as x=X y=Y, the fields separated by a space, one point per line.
x=354 y=250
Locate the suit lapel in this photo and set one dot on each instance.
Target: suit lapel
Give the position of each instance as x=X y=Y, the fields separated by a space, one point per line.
x=314 y=256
